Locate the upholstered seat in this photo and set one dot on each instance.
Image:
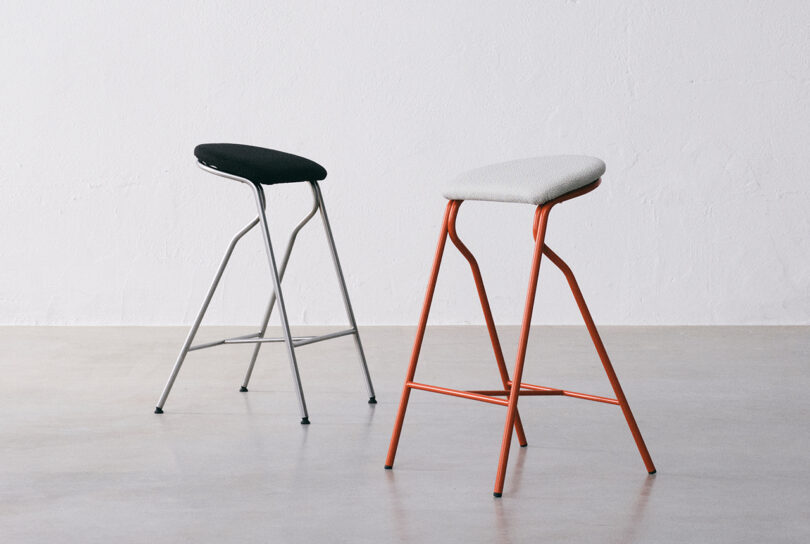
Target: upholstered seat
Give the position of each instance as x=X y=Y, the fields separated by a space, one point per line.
x=531 y=181
x=259 y=165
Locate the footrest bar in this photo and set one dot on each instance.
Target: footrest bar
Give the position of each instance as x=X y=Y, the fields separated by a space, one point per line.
x=297 y=342
x=594 y=398
x=565 y=393
x=522 y=393
x=254 y=339
x=225 y=341
x=456 y=393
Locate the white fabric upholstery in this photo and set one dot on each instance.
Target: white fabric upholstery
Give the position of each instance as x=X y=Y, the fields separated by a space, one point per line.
x=530 y=181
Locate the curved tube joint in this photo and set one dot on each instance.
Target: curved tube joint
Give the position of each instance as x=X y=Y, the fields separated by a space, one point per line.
x=482 y=296
x=206 y=302
x=603 y=356
x=316 y=192
x=272 y=302
x=258 y=193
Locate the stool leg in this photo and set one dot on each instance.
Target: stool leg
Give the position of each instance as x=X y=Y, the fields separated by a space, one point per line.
x=258 y=192
x=316 y=191
x=482 y=295
x=517 y=375
x=603 y=356
x=257 y=347
x=269 y=310
x=420 y=335
x=193 y=332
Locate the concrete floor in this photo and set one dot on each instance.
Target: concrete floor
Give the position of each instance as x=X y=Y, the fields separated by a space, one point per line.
x=83 y=459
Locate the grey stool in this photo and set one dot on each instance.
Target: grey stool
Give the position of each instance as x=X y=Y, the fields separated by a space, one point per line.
x=256 y=167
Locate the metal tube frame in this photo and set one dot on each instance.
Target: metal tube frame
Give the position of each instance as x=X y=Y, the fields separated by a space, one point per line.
x=316 y=191
x=272 y=302
x=277 y=275
x=514 y=388
x=482 y=296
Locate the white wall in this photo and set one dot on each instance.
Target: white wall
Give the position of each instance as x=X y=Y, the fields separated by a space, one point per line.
x=700 y=109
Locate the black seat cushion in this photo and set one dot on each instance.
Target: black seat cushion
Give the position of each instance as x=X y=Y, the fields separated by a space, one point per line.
x=258 y=164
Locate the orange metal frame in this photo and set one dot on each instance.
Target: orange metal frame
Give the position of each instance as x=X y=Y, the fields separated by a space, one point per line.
x=513 y=389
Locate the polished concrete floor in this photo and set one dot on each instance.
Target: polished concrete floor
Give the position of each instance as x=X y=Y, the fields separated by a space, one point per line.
x=725 y=412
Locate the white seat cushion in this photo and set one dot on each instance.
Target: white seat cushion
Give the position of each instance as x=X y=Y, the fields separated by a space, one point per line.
x=530 y=181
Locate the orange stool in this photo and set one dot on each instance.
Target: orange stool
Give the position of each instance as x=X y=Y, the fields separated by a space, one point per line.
x=543 y=182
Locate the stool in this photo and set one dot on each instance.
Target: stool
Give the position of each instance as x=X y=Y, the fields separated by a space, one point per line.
x=543 y=182
x=257 y=167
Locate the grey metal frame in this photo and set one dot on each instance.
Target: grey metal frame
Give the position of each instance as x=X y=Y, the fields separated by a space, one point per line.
x=277 y=297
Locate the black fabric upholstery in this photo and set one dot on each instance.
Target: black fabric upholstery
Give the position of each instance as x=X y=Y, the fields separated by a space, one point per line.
x=258 y=164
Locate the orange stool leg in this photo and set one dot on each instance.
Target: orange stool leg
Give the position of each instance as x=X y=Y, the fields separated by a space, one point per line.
x=420 y=335
x=541 y=218
x=603 y=356
x=482 y=295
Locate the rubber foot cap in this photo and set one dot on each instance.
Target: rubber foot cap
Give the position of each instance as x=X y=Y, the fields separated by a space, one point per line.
x=158 y=410
x=372 y=400
x=523 y=445
x=498 y=495
x=653 y=472
x=388 y=467
x=243 y=389
x=304 y=421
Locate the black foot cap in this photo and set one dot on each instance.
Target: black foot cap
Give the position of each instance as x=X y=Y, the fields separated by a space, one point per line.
x=372 y=400
x=497 y=495
x=524 y=445
x=388 y=467
x=243 y=389
x=653 y=472
x=304 y=421
x=158 y=410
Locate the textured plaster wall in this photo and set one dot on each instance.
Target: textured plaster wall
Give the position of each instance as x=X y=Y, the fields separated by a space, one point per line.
x=701 y=111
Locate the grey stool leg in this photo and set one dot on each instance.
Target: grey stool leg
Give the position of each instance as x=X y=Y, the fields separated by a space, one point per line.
x=272 y=302
x=316 y=190
x=258 y=192
x=193 y=332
